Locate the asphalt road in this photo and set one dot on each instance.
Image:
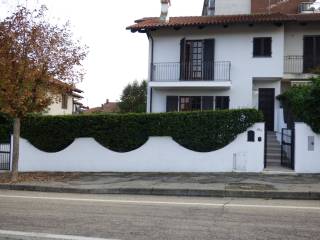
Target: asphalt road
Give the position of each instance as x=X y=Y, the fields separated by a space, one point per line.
x=28 y=215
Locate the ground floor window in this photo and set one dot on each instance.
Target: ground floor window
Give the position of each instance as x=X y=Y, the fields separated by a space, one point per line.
x=196 y=103
x=188 y=104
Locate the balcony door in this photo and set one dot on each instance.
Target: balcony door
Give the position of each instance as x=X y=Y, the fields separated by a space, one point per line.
x=311 y=53
x=197 y=60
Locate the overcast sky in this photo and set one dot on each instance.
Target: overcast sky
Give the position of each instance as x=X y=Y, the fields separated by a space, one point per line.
x=116 y=56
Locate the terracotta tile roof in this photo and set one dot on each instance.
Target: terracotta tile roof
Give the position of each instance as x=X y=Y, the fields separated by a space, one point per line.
x=145 y=24
x=108 y=107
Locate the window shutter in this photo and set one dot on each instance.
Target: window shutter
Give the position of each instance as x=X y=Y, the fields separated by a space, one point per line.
x=226 y=102
x=267 y=46
x=256 y=47
x=222 y=102
x=208 y=59
x=182 y=59
x=172 y=103
x=308 y=53
x=207 y=103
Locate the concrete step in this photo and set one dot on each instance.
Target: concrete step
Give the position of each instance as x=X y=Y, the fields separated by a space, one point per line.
x=274 y=151
x=273 y=164
x=273 y=155
x=274 y=161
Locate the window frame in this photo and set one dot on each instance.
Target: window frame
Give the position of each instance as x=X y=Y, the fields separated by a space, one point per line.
x=262 y=51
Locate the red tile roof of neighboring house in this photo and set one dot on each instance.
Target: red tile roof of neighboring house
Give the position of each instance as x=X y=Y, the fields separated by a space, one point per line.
x=108 y=107
x=146 y=24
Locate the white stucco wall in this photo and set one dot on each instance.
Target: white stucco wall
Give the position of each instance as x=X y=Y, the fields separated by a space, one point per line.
x=159 y=154
x=294 y=34
x=229 y=7
x=234 y=44
x=306 y=161
x=56 y=108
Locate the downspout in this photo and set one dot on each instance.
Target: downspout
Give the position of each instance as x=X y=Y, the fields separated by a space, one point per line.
x=151 y=68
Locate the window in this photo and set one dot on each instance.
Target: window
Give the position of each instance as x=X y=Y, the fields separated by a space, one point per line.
x=172 y=103
x=222 y=102
x=196 y=103
x=197 y=59
x=262 y=47
x=64 y=101
x=190 y=104
x=311 y=53
x=207 y=103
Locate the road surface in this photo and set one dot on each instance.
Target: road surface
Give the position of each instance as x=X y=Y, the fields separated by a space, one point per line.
x=30 y=215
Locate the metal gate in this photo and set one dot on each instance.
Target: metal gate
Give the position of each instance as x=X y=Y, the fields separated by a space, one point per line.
x=5 y=156
x=287 y=148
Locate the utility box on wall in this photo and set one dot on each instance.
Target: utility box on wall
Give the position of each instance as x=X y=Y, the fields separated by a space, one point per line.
x=311 y=143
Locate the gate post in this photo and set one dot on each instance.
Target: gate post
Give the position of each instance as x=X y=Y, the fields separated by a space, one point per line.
x=293 y=143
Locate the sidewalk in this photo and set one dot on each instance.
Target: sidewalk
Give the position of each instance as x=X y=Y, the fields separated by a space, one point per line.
x=277 y=186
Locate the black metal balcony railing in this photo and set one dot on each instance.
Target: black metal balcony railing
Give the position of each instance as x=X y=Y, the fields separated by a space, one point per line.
x=300 y=64
x=191 y=71
x=306 y=7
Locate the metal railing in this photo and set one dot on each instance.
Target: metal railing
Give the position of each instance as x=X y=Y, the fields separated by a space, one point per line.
x=189 y=71
x=300 y=64
x=287 y=147
x=306 y=7
x=5 y=153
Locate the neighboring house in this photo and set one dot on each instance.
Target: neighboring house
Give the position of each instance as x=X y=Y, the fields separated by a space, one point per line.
x=67 y=103
x=107 y=107
x=241 y=58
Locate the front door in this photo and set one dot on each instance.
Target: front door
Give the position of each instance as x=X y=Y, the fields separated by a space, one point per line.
x=266 y=106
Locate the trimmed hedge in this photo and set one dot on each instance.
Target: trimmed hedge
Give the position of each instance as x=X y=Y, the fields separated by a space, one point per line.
x=198 y=131
x=302 y=103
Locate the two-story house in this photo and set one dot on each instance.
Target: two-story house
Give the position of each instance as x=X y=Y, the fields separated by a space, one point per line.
x=238 y=54
x=67 y=102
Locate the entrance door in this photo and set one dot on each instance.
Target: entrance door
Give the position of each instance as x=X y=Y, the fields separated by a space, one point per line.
x=311 y=52
x=266 y=106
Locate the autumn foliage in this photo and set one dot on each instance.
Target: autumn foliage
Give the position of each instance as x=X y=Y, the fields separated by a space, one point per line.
x=38 y=62
x=34 y=56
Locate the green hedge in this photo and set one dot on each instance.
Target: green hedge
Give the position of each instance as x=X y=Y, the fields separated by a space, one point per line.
x=198 y=131
x=302 y=103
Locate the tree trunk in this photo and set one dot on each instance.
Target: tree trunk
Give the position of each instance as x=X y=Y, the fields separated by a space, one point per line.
x=15 y=154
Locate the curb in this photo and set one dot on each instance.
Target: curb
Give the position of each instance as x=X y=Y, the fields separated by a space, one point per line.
x=171 y=192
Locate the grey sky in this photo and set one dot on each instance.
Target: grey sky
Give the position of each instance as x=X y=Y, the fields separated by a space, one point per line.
x=117 y=56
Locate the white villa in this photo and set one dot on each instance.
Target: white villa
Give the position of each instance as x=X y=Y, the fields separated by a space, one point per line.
x=238 y=54
x=67 y=103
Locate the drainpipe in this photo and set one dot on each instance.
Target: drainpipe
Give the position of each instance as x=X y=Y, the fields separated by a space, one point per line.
x=151 y=68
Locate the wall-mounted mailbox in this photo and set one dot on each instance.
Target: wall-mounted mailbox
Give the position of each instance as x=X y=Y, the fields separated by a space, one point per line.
x=251 y=136
x=311 y=143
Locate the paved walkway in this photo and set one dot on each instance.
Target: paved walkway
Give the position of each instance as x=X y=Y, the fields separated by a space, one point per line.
x=282 y=186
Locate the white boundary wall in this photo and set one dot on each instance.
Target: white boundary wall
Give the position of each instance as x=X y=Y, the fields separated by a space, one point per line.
x=158 y=154
x=306 y=159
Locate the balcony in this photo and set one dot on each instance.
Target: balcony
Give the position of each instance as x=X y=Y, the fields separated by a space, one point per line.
x=300 y=65
x=197 y=74
x=307 y=7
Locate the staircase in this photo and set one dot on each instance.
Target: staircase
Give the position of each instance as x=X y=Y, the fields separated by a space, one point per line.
x=273 y=151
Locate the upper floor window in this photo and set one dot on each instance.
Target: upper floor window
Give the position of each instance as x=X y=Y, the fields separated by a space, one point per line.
x=262 y=47
x=197 y=59
x=64 y=101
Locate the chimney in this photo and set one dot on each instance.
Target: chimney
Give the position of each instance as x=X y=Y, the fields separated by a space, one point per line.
x=107 y=101
x=165 y=10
